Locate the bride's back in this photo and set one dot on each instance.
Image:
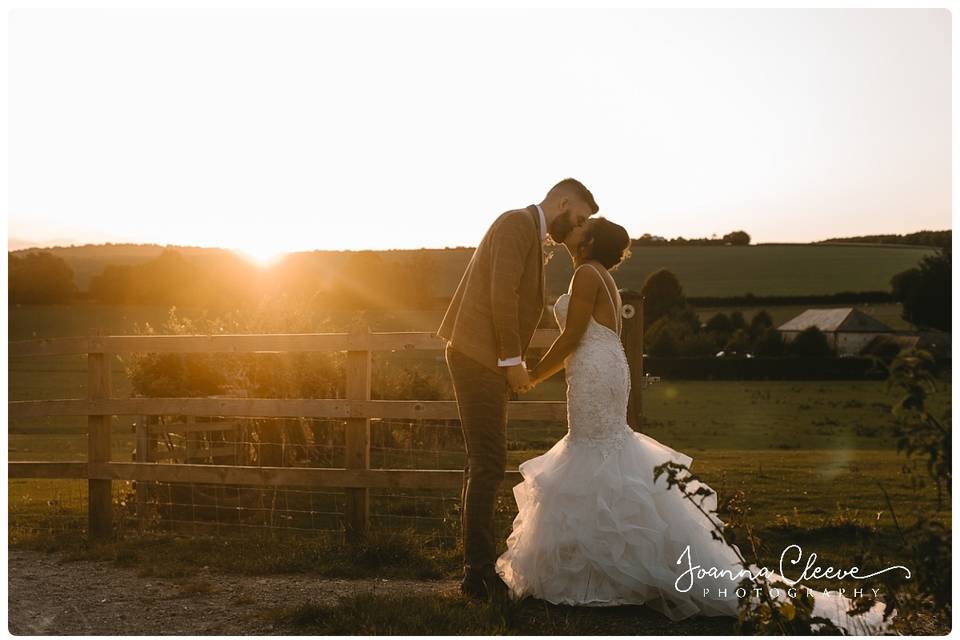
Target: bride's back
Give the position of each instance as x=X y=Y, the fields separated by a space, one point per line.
x=598 y=377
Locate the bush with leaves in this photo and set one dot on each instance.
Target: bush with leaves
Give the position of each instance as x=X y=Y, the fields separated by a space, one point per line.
x=268 y=375
x=759 y=611
x=810 y=342
x=739 y=342
x=699 y=345
x=760 y=323
x=770 y=343
x=924 y=291
x=920 y=433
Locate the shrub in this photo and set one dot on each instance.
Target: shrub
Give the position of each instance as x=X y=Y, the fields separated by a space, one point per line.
x=664 y=344
x=770 y=343
x=760 y=322
x=739 y=342
x=719 y=323
x=811 y=342
x=699 y=345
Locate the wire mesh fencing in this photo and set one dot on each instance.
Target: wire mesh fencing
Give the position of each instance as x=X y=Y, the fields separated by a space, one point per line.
x=432 y=515
x=40 y=507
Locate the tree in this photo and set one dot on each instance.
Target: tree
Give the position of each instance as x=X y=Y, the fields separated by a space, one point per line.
x=810 y=342
x=737 y=321
x=113 y=284
x=924 y=291
x=770 y=343
x=662 y=292
x=737 y=238
x=696 y=345
x=39 y=278
x=686 y=319
x=664 y=344
x=168 y=279
x=719 y=323
x=739 y=342
x=760 y=322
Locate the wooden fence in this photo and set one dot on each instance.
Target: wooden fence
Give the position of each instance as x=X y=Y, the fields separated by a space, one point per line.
x=357 y=409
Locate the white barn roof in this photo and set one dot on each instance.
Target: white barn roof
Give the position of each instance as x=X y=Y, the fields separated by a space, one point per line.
x=846 y=319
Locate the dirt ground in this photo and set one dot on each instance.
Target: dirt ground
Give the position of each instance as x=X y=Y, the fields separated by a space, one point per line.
x=47 y=597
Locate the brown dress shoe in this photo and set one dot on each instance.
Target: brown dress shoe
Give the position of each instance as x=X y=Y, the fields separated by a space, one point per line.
x=484 y=584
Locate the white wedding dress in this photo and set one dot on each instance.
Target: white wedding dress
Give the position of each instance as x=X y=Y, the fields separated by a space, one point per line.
x=593 y=528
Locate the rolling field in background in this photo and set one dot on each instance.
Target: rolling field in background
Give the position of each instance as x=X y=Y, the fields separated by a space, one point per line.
x=767 y=269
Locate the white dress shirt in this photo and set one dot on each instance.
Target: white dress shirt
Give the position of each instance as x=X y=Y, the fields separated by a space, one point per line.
x=515 y=360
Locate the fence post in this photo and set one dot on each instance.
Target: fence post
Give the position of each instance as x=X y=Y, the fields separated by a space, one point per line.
x=640 y=378
x=632 y=338
x=141 y=454
x=358 y=433
x=99 y=491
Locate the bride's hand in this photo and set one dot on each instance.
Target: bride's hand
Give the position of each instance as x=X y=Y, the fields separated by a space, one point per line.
x=533 y=381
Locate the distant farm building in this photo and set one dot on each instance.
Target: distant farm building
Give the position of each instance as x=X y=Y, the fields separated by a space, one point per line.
x=848 y=330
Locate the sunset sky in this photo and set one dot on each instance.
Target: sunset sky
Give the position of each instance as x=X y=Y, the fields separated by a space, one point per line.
x=293 y=130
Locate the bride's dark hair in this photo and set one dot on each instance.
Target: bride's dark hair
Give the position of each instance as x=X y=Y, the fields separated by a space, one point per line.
x=609 y=243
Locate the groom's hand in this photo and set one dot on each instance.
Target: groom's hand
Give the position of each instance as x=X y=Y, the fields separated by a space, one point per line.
x=517 y=377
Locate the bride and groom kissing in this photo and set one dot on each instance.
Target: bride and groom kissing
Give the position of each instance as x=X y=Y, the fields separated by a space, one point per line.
x=593 y=526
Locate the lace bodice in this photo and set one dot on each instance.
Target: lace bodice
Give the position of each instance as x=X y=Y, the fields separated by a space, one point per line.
x=598 y=385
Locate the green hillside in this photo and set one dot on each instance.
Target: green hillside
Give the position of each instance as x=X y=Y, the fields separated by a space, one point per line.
x=761 y=270
x=769 y=269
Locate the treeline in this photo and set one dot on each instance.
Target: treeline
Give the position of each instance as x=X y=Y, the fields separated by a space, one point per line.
x=922 y=238
x=734 y=238
x=362 y=280
x=39 y=278
x=750 y=300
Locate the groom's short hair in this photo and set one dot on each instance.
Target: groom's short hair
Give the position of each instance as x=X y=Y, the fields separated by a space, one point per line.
x=576 y=188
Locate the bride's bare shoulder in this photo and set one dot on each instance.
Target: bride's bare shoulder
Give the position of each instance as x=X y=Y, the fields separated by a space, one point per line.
x=585 y=281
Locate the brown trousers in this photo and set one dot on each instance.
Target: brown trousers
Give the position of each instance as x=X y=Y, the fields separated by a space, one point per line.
x=482 y=397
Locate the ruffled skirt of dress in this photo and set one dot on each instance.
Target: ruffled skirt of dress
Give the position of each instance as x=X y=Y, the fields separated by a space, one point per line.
x=594 y=529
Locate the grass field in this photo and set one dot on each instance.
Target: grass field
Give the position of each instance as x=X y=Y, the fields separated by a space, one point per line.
x=761 y=270
x=785 y=269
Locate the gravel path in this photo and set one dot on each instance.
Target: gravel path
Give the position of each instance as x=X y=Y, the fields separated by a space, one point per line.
x=51 y=597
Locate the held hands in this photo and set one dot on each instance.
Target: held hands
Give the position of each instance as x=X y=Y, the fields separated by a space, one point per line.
x=521 y=379
x=518 y=378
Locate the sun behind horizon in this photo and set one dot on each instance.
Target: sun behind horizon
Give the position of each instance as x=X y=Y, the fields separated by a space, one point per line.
x=261 y=255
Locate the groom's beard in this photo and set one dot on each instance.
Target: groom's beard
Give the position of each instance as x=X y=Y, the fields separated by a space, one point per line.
x=560 y=227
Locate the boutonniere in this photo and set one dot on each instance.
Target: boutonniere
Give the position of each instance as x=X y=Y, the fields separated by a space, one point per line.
x=548 y=253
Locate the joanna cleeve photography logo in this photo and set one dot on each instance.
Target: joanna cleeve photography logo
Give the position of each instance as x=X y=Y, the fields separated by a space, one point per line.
x=791 y=558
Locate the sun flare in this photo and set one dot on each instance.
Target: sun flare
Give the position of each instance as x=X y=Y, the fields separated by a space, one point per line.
x=262 y=255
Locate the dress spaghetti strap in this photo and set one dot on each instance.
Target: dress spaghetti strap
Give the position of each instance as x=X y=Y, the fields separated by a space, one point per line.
x=613 y=305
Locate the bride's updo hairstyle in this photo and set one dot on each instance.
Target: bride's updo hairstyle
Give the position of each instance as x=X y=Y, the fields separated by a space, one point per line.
x=607 y=242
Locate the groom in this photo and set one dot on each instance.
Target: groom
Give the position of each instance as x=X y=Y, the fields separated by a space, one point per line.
x=488 y=327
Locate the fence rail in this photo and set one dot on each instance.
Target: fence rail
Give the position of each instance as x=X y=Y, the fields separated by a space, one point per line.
x=357 y=410
x=273 y=408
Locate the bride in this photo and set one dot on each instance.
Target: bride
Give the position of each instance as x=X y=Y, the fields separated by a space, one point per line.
x=593 y=527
